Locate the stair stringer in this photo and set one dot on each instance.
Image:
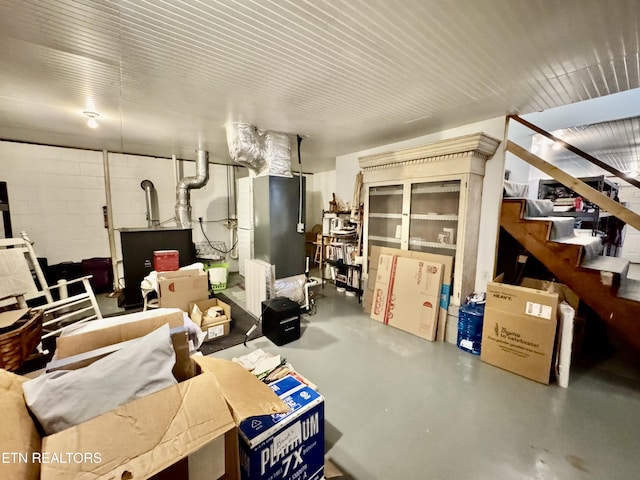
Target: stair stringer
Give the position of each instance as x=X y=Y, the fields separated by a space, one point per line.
x=563 y=260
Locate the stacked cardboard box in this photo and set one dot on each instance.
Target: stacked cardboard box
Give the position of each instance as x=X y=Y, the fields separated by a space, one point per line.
x=445 y=290
x=289 y=445
x=177 y=289
x=214 y=325
x=520 y=326
x=192 y=424
x=407 y=294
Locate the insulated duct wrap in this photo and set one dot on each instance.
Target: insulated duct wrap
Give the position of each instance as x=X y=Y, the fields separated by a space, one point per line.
x=263 y=152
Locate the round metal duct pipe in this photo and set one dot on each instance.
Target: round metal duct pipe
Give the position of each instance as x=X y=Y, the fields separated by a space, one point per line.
x=147 y=186
x=183 y=206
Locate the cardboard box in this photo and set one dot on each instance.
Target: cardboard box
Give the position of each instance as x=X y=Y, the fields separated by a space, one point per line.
x=213 y=327
x=178 y=289
x=447 y=280
x=407 y=295
x=519 y=330
x=78 y=339
x=182 y=370
x=143 y=437
x=288 y=445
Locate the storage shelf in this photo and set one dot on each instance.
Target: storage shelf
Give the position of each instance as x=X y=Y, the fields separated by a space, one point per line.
x=449 y=188
x=384 y=239
x=338 y=263
x=421 y=243
x=328 y=214
x=348 y=287
x=426 y=216
x=335 y=248
x=385 y=215
x=396 y=191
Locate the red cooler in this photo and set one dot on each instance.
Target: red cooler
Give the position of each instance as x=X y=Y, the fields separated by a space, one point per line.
x=165 y=260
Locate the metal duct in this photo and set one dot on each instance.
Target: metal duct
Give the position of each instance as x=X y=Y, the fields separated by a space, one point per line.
x=245 y=145
x=147 y=186
x=262 y=151
x=183 y=206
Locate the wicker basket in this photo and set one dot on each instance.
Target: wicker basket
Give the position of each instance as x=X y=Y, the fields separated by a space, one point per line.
x=16 y=345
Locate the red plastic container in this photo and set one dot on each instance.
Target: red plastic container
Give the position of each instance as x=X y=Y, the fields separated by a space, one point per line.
x=165 y=260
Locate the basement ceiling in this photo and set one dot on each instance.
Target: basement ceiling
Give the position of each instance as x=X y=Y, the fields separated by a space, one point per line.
x=616 y=143
x=166 y=76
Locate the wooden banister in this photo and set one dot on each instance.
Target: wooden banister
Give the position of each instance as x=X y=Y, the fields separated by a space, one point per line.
x=593 y=195
x=577 y=151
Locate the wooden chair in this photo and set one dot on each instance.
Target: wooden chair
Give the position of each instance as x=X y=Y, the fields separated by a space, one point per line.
x=317 y=230
x=21 y=272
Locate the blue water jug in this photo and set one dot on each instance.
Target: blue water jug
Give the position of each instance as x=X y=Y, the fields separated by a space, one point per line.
x=470 y=317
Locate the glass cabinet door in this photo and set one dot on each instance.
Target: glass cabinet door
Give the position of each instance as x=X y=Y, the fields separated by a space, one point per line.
x=385 y=216
x=433 y=219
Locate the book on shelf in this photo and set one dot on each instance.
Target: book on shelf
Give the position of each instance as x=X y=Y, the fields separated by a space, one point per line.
x=341 y=278
x=345 y=252
x=353 y=278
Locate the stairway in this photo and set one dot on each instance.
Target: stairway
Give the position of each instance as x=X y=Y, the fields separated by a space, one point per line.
x=600 y=282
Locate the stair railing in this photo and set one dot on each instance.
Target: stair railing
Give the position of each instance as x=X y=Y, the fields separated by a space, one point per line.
x=594 y=196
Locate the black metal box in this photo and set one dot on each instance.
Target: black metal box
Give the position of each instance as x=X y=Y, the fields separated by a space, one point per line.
x=281 y=320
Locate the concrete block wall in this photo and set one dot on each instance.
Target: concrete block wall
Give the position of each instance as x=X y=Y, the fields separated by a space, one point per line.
x=57 y=194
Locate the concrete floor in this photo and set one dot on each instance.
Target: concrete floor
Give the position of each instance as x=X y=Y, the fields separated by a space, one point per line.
x=399 y=407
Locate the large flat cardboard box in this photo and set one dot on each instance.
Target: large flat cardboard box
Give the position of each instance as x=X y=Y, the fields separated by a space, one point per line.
x=177 y=289
x=519 y=330
x=447 y=280
x=213 y=327
x=143 y=437
x=407 y=295
x=288 y=445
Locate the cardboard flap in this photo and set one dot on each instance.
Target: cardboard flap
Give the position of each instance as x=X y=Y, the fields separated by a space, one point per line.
x=197 y=312
x=246 y=395
x=518 y=299
x=18 y=433
x=153 y=433
x=116 y=330
x=190 y=272
x=564 y=293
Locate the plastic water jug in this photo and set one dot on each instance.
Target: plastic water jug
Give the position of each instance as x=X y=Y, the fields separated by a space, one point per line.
x=470 y=318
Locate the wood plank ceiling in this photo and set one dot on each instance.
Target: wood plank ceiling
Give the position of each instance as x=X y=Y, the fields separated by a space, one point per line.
x=165 y=76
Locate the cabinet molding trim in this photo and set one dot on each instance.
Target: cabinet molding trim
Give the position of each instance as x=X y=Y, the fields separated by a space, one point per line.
x=477 y=145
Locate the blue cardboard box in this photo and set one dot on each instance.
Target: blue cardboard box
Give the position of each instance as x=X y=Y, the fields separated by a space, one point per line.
x=288 y=445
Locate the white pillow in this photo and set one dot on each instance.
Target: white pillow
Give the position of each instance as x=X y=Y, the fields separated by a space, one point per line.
x=65 y=398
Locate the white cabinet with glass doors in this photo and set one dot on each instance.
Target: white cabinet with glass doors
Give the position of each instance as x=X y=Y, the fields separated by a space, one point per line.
x=429 y=203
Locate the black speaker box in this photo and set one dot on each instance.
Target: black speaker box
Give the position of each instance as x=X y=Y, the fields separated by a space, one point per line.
x=281 y=320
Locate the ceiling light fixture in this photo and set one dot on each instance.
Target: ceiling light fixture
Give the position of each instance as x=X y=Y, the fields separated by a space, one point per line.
x=91 y=122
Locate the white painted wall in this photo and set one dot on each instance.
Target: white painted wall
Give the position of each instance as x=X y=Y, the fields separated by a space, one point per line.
x=319 y=192
x=57 y=194
x=630 y=195
x=347 y=167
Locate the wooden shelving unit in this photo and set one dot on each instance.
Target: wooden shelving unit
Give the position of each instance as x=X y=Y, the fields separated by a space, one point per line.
x=339 y=251
x=591 y=216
